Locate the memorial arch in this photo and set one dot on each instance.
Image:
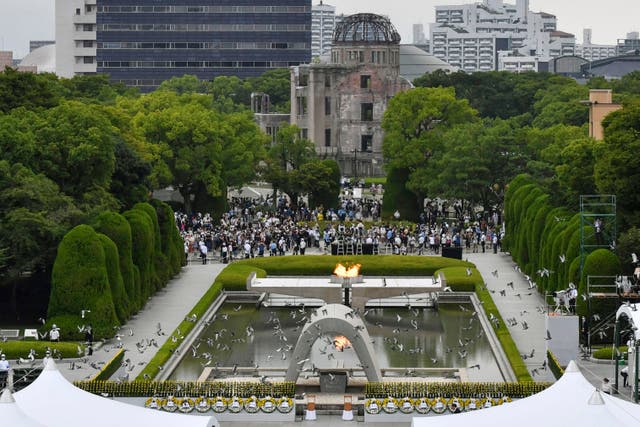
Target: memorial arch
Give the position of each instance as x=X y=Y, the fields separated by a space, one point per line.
x=340 y=320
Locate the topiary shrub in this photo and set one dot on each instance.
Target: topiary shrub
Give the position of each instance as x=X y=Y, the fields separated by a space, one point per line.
x=172 y=244
x=80 y=281
x=117 y=228
x=601 y=262
x=118 y=293
x=142 y=251
x=160 y=270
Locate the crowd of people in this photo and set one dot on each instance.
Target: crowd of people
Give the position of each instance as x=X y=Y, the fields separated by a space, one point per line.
x=250 y=228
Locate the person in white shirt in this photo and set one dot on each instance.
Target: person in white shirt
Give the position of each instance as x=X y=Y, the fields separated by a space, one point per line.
x=54 y=333
x=4 y=364
x=303 y=246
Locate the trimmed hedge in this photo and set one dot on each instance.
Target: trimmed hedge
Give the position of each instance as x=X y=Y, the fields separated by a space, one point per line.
x=80 y=281
x=606 y=353
x=110 y=368
x=554 y=365
x=397 y=197
x=538 y=234
x=160 y=271
x=17 y=349
x=117 y=228
x=172 y=244
x=142 y=252
x=601 y=262
x=118 y=293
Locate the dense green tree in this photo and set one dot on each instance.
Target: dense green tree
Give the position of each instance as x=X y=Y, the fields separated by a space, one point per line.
x=320 y=179
x=617 y=167
x=27 y=90
x=277 y=84
x=414 y=124
x=286 y=160
x=185 y=84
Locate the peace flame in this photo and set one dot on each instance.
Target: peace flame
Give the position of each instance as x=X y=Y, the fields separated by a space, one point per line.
x=341 y=342
x=342 y=271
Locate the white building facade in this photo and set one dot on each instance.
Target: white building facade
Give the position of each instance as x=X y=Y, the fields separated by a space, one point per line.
x=323 y=23
x=76 y=40
x=594 y=52
x=471 y=36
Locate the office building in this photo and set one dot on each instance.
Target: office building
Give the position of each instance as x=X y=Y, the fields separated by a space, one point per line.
x=594 y=52
x=141 y=43
x=629 y=45
x=472 y=36
x=323 y=22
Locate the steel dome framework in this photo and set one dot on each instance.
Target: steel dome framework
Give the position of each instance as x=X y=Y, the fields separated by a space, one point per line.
x=366 y=28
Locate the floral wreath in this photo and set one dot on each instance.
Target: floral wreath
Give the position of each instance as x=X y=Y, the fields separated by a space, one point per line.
x=203 y=404
x=234 y=404
x=170 y=404
x=422 y=405
x=372 y=406
x=153 y=403
x=473 y=404
x=406 y=405
x=504 y=399
x=438 y=405
x=390 y=405
x=459 y=402
x=285 y=405
x=186 y=405
x=219 y=404
x=268 y=404
x=252 y=405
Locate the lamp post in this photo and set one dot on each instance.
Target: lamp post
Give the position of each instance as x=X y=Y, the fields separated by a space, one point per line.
x=355 y=166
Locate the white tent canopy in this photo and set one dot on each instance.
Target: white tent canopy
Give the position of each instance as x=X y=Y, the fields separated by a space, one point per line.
x=11 y=415
x=54 y=402
x=571 y=401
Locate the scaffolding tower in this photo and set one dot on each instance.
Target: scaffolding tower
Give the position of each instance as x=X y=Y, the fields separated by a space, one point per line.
x=598 y=214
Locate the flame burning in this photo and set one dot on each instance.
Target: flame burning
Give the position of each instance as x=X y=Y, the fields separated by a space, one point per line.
x=341 y=342
x=342 y=271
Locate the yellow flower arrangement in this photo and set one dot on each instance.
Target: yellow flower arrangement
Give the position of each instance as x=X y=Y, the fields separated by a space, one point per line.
x=252 y=405
x=438 y=405
x=234 y=404
x=219 y=404
x=170 y=404
x=186 y=405
x=285 y=405
x=390 y=405
x=372 y=406
x=472 y=404
x=406 y=405
x=422 y=405
x=203 y=404
x=455 y=405
x=153 y=403
x=268 y=404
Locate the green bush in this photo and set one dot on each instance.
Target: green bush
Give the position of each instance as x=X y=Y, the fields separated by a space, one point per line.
x=142 y=249
x=80 y=282
x=117 y=228
x=160 y=270
x=554 y=365
x=172 y=244
x=601 y=262
x=118 y=293
x=606 y=353
x=17 y=349
x=458 y=279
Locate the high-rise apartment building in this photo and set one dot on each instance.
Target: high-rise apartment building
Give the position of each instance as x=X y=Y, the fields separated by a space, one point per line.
x=75 y=37
x=323 y=23
x=594 y=52
x=141 y=43
x=471 y=36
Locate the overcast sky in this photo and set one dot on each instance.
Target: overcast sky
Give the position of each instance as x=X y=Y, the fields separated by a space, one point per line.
x=24 y=20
